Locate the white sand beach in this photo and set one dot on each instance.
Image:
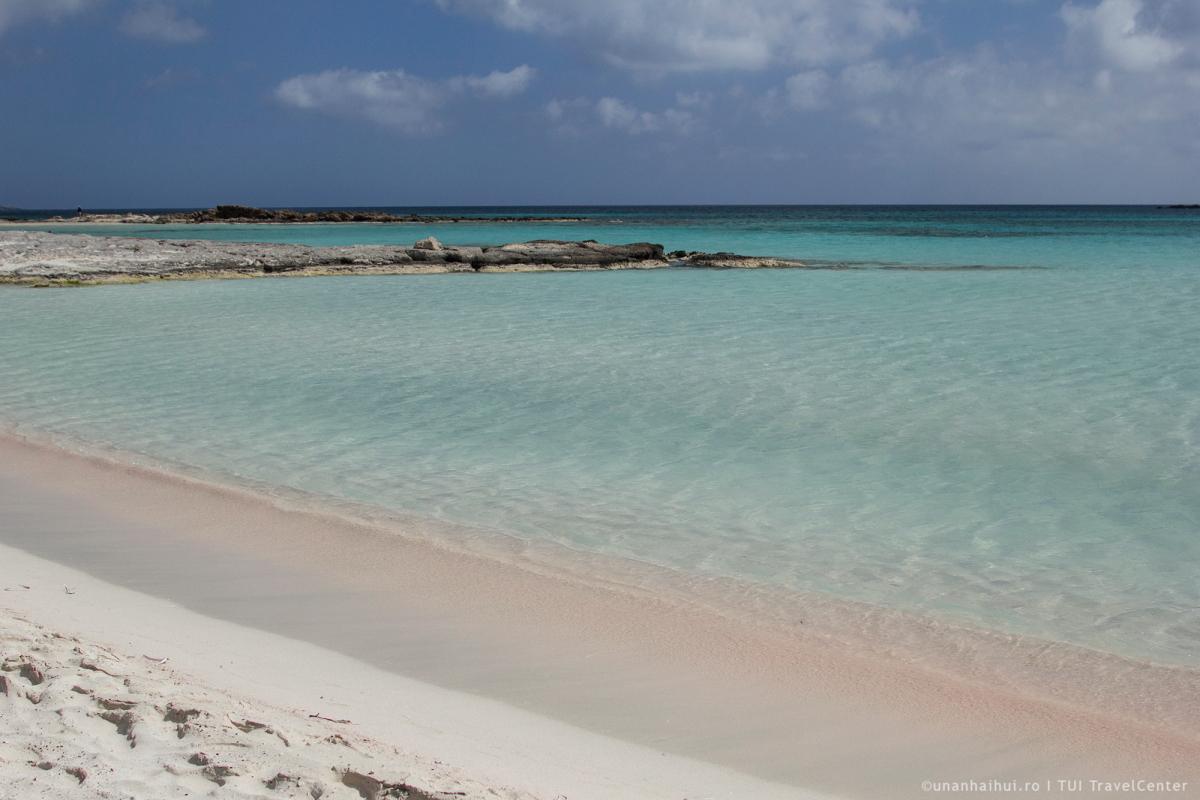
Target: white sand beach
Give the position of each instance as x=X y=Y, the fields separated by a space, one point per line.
x=478 y=673
x=118 y=694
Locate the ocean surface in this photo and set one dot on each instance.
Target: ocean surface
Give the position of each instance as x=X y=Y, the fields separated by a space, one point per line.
x=987 y=415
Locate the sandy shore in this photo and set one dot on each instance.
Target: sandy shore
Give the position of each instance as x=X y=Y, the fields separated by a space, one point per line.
x=119 y=694
x=83 y=720
x=520 y=677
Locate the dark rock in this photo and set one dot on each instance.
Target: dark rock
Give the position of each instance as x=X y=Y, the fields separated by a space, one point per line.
x=735 y=261
x=241 y=212
x=570 y=254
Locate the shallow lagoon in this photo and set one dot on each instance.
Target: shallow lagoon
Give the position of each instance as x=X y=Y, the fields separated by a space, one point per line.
x=1011 y=449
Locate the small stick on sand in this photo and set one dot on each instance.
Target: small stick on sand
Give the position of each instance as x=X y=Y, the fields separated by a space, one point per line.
x=327 y=719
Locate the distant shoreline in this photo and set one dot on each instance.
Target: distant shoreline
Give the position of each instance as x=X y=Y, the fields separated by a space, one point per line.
x=249 y=215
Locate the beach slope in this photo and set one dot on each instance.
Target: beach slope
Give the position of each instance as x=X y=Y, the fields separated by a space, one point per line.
x=112 y=693
x=523 y=672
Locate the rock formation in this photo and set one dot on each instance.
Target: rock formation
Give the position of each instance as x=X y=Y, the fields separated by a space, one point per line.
x=35 y=257
x=731 y=260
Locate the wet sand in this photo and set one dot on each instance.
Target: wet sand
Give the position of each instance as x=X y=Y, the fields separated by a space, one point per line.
x=777 y=699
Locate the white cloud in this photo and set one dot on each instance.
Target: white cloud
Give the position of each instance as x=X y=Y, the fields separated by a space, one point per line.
x=1112 y=28
x=162 y=22
x=1125 y=89
x=620 y=116
x=685 y=35
x=1033 y=116
x=499 y=84
x=574 y=117
x=394 y=99
x=615 y=114
x=13 y=12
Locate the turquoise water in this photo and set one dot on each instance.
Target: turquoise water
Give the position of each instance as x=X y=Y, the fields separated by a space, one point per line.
x=922 y=236
x=1012 y=449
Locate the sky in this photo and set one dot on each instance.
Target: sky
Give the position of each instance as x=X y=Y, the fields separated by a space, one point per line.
x=299 y=103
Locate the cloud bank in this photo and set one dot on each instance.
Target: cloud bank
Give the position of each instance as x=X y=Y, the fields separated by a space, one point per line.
x=1124 y=91
x=1114 y=100
x=1127 y=35
x=687 y=36
x=395 y=99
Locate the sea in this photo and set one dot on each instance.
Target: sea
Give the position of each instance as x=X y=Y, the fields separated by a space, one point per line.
x=988 y=416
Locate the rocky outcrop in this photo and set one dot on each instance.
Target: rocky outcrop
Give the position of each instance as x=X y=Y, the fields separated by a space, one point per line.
x=34 y=257
x=731 y=261
x=43 y=258
x=587 y=254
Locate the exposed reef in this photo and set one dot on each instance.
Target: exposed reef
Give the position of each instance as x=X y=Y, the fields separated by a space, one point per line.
x=46 y=259
x=734 y=261
x=32 y=257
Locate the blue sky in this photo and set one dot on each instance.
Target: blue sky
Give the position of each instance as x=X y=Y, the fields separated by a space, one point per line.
x=172 y=103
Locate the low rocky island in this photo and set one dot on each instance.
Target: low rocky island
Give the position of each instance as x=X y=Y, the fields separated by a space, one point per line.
x=39 y=258
x=48 y=259
x=36 y=258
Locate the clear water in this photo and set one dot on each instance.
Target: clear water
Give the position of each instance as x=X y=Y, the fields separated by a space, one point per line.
x=869 y=236
x=1012 y=449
